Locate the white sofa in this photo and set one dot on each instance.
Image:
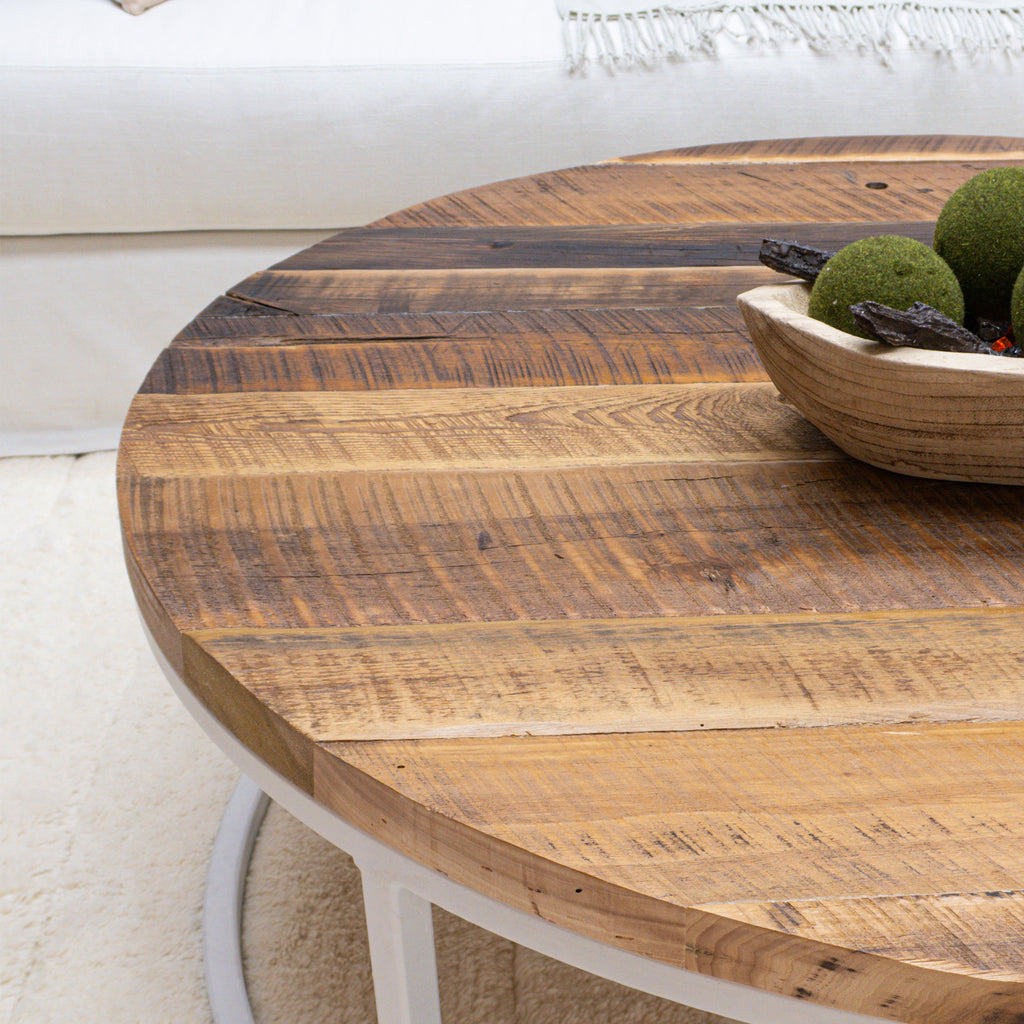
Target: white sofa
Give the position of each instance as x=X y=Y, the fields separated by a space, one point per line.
x=150 y=162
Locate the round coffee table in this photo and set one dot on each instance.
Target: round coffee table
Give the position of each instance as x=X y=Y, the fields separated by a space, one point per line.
x=479 y=538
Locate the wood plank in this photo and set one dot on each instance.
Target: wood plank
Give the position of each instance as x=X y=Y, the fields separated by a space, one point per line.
x=589 y=347
x=844 y=148
x=643 y=325
x=620 y=245
x=222 y=306
x=607 y=834
x=978 y=934
x=427 y=291
x=912 y=991
x=377 y=548
x=646 y=675
x=702 y=193
x=273 y=738
x=459 y=428
x=152 y=608
x=379 y=366
x=729 y=816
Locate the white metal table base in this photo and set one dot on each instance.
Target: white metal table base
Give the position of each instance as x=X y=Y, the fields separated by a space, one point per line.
x=399 y=891
x=399 y=926
x=223 y=902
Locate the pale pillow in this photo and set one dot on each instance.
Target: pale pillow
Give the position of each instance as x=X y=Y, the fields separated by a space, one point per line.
x=138 y=6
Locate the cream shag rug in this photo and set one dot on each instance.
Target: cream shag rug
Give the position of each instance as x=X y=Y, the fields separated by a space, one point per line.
x=110 y=800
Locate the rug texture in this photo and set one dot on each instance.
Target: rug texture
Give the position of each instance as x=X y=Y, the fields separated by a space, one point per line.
x=110 y=801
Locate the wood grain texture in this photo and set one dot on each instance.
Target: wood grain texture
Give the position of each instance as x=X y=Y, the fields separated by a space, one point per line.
x=540 y=327
x=484 y=525
x=652 y=193
x=698 y=821
x=645 y=675
x=385 y=549
x=379 y=352
x=452 y=429
x=644 y=245
x=427 y=291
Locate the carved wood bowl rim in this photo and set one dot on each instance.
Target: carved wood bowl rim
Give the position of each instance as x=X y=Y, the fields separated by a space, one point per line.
x=970 y=429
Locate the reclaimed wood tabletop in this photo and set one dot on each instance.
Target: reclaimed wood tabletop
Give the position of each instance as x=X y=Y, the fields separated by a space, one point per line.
x=484 y=525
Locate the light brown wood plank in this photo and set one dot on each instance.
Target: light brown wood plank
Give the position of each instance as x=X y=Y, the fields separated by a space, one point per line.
x=656 y=540
x=704 y=193
x=463 y=429
x=718 y=358
x=844 y=148
x=730 y=815
x=425 y=291
x=674 y=817
x=647 y=675
x=979 y=934
x=704 y=539
x=926 y=992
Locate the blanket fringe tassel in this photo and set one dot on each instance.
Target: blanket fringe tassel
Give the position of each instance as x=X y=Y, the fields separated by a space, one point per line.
x=649 y=36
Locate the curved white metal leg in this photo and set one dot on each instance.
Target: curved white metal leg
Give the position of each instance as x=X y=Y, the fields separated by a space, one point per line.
x=399 y=926
x=222 y=905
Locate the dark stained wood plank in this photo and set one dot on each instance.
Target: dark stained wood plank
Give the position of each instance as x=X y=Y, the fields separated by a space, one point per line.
x=629 y=245
x=661 y=674
x=844 y=148
x=424 y=291
x=525 y=326
x=225 y=307
x=648 y=193
x=280 y=328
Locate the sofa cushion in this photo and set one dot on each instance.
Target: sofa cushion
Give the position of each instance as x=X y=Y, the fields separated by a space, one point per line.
x=258 y=114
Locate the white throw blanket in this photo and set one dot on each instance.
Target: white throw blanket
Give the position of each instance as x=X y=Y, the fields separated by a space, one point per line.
x=618 y=32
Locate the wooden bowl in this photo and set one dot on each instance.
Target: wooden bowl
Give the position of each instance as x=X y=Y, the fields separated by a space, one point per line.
x=945 y=415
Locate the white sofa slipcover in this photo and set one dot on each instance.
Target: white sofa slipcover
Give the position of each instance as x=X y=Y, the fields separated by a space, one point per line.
x=150 y=162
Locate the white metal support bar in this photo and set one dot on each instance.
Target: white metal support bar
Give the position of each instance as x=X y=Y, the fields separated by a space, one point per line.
x=223 y=901
x=400 y=928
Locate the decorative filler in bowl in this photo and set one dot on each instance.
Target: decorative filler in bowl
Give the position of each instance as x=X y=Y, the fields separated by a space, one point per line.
x=897 y=351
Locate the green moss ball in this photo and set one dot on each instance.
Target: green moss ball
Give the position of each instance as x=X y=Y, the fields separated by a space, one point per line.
x=1017 y=309
x=890 y=269
x=980 y=234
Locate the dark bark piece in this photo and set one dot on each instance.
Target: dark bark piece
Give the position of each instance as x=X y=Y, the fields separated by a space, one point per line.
x=793 y=258
x=920 y=326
